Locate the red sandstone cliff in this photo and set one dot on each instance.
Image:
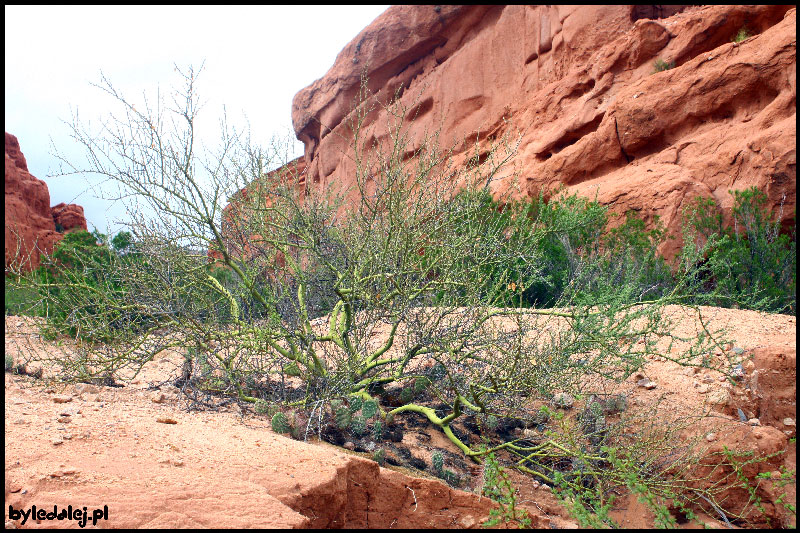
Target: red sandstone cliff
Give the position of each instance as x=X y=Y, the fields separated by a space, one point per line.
x=30 y=221
x=578 y=84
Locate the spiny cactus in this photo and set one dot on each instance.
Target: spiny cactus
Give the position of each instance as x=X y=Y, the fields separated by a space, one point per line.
x=261 y=407
x=492 y=422
x=438 y=462
x=406 y=395
x=369 y=408
x=451 y=478
x=377 y=431
x=420 y=384
x=343 y=417
x=280 y=424
x=379 y=456
x=355 y=404
x=358 y=427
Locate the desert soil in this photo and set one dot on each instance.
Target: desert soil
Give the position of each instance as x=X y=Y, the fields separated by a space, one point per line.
x=138 y=450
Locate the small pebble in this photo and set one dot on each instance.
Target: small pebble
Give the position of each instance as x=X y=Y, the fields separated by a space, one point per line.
x=165 y=420
x=62 y=399
x=711 y=437
x=737 y=372
x=646 y=383
x=563 y=400
x=754 y=422
x=788 y=422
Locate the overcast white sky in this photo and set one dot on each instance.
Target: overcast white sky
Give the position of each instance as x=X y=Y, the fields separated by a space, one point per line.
x=256 y=60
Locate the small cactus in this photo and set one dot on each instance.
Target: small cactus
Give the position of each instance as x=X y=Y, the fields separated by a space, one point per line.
x=369 y=408
x=261 y=407
x=438 y=462
x=377 y=431
x=379 y=456
x=358 y=427
x=492 y=422
x=420 y=384
x=355 y=404
x=280 y=424
x=343 y=418
x=437 y=372
x=406 y=396
x=451 y=478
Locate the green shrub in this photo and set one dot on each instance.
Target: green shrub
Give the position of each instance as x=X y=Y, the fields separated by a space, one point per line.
x=661 y=65
x=751 y=265
x=742 y=35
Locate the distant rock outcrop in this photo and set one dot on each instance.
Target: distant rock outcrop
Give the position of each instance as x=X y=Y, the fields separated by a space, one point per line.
x=32 y=226
x=579 y=85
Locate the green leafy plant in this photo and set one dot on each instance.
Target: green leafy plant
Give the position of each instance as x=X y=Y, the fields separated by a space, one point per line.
x=660 y=65
x=741 y=35
x=751 y=265
x=497 y=486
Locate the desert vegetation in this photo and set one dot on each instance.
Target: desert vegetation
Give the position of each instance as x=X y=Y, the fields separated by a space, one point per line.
x=415 y=294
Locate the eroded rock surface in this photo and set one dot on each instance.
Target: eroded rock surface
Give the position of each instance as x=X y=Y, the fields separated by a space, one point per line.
x=31 y=224
x=578 y=85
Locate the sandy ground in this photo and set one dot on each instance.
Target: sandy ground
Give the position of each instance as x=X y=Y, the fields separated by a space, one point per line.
x=154 y=463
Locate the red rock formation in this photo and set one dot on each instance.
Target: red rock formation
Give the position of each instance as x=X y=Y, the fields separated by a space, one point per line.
x=30 y=222
x=578 y=85
x=237 y=241
x=69 y=216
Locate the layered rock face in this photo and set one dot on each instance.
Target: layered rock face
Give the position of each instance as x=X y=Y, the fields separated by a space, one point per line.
x=577 y=86
x=30 y=221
